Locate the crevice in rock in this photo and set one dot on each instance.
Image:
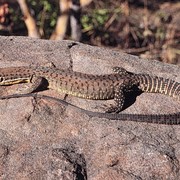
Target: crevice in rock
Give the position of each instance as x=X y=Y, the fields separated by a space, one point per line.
x=74 y=161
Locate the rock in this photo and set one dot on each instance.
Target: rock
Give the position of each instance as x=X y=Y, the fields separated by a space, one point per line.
x=40 y=139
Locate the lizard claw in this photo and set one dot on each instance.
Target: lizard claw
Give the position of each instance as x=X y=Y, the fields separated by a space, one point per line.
x=119 y=70
x=114 y=109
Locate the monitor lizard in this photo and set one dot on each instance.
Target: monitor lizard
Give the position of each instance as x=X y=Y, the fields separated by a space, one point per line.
x=96 y=87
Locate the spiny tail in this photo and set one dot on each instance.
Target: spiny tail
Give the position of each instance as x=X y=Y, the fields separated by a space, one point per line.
x=154 y=84
x=168 y=119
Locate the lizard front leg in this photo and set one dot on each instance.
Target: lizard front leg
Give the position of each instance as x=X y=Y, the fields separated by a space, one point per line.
x=34 y=83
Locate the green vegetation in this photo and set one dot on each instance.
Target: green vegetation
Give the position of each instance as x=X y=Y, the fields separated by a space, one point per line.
x=45 y=13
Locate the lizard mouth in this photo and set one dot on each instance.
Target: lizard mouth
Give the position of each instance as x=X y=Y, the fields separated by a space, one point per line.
x=13 y=81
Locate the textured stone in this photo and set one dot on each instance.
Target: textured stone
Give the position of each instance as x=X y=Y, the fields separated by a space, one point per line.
x=40 y=139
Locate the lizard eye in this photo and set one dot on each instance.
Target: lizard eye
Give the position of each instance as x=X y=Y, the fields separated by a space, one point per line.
x=1 y=79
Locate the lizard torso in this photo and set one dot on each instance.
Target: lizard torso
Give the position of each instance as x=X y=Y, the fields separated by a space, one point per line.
x=75 y=83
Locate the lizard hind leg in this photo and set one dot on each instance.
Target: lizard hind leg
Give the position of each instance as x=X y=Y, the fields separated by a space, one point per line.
x=123 y=72
x=119 y=101
x=120 y=70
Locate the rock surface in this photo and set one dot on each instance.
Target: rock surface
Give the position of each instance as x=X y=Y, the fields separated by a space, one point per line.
x=40 y=139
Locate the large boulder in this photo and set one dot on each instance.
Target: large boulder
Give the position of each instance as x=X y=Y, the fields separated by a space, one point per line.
x=41 y=139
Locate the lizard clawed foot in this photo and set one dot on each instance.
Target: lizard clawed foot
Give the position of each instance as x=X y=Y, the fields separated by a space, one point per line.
x=114 y=109
x=22 y=89
x=120 y=70
x=50 y=65
x=103 y=107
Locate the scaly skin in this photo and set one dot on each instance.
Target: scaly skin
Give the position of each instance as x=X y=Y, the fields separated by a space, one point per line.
x=102 y=87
